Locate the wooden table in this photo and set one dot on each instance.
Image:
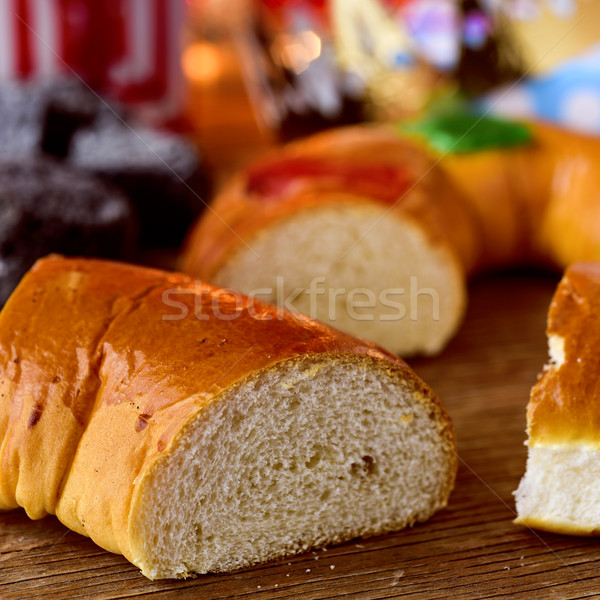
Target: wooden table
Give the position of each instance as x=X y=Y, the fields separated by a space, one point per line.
x=470 y=550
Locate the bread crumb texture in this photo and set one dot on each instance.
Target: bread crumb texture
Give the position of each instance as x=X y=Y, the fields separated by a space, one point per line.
x=560 y=491
x=307 y=453
x=345 y=279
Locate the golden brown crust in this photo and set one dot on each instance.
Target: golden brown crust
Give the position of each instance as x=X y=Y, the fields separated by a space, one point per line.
x=50 y=331
x=96 y=365
x=487 y=182
x=569 y=228
x=564 y=403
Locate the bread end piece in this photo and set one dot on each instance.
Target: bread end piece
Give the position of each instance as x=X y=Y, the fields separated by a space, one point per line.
x=309 y=452
x=560 y=490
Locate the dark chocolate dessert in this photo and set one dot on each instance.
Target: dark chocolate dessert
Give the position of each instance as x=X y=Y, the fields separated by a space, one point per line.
x=46 y=207
x=159 y=171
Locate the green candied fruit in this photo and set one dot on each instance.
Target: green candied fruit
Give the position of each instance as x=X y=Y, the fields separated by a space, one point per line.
x=464 y=133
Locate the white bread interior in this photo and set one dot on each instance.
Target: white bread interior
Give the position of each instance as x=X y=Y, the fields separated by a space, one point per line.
x=556 y=349
x=311 y=452
x=560 y=491
x=354 y=247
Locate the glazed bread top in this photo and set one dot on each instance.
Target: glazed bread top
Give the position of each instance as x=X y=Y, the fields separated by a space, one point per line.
x=537 y=202
x=564 y=403
x=358 y=165
x=102 y=359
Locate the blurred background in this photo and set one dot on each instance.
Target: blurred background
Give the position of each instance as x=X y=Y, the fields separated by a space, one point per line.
x=303 y=65
x=118 y=118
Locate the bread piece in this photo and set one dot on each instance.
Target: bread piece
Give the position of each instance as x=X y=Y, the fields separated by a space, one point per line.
x=389 y=272
x=194 y=430
x=561 y=488
x=367 y=208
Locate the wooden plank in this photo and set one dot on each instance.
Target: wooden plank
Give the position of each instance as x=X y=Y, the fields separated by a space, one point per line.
x=470 y=550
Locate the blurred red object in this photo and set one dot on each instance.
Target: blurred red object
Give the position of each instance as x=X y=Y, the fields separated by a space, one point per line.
x=127 y=49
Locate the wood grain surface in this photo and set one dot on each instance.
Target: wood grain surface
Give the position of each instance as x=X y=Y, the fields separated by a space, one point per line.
x=470 y=550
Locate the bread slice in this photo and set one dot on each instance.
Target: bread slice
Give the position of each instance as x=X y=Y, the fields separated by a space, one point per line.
x=560 y=491
x=193 y=430
x=345 y=278
x=342 y=227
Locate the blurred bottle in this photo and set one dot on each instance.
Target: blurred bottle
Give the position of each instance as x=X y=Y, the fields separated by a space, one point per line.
x=291 y=69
